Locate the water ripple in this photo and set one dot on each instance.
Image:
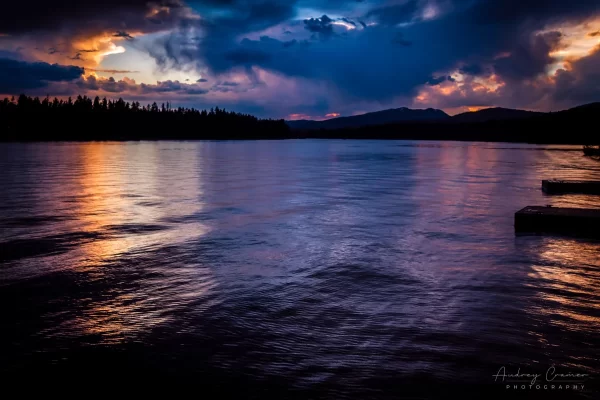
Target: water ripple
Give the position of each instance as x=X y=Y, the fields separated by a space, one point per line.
x=340 y=269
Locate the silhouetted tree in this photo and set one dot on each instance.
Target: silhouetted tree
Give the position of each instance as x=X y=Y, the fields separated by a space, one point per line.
x=87 y=119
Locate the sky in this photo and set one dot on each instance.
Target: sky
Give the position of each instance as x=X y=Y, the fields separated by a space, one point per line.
x=312 y=59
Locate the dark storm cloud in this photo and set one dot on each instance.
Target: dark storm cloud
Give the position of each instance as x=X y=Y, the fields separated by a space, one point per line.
x=397 y=13
x=384 y=61
x=173 y=86
x=373 y=62
x=528 y=58
x=222 y=24
x=108 y=85
x=111 y=85
x=533 y=11
x=348 y=21
x=18 y=17
x=364 y=66
x=437 y=80
x=231 y=17
x=18 y=76
x=114 y=71
x=247 y=56
x=581 y=83
x=123 y=34
x=471 y=69
x=321 y=26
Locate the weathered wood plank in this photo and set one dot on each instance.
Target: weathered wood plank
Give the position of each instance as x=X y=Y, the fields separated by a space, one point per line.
x=573 y=221
x=554 y=186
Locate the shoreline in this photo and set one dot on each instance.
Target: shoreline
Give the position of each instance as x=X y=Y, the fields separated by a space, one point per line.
x=114 y=140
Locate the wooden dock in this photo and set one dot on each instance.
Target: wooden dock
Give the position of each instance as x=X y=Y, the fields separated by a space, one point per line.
x=571 y=221
x=554 y=186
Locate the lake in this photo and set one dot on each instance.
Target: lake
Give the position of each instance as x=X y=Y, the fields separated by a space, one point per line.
x=341 y=269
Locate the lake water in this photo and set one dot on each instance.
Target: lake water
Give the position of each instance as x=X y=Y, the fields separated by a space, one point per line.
x=341 y=269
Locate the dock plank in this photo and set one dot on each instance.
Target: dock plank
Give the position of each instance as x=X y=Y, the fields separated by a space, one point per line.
x=572 y=221
x=555 y=186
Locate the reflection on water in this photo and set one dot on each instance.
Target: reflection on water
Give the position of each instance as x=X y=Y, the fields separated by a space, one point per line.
x=329 y=266
x=571 y=295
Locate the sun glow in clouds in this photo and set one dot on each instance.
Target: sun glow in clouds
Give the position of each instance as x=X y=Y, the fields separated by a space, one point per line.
x=578 y=41
x=344 y=24
x=91 y=51
x=297 y=117
x=112 y=49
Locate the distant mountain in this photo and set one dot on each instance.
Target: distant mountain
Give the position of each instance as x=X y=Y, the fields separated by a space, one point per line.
x=370 y=119
x=572 y=126
x=584 y=109
x=494 y=114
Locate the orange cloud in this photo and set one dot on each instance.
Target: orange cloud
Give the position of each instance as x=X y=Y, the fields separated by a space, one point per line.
x=295 y=117
x=577 y=42
x=476 y=108
x=82 y=51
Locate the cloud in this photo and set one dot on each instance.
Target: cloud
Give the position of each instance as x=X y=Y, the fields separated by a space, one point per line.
x=471 y=69
x=20 y=76
x=363 y=64
x=370 y=53
x=535 y=12
x=123 y=34
x=246 y=55
x=228 y=18
x=576 y=85
x=112 y=71
x=436 y=81
x=348 y=21
x=68 y=27
x=173 y=86
x=580 y=83
x=529 y=57
x=320 y=26
x=128 y=87
x=28 y=16
x=397 y=13
x=369 y=64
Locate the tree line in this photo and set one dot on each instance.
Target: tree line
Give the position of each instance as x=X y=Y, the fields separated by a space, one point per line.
x=32 y=119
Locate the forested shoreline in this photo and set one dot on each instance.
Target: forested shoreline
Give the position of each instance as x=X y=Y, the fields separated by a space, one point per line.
x=34 y=119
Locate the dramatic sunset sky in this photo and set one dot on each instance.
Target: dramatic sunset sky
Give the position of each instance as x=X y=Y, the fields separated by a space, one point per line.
x=306 y=58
